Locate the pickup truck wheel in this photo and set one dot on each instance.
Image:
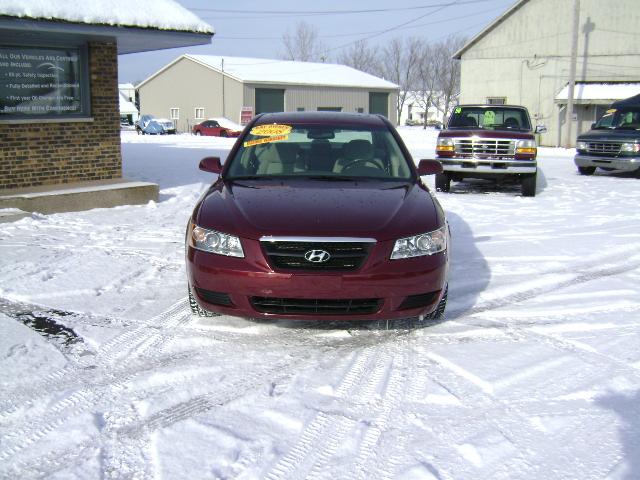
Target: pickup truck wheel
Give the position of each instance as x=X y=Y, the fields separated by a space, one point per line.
x=586 y=170
x=443 y=182
x=528 y=185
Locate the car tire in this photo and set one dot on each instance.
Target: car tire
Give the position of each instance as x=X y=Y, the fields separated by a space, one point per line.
x=197 y=309
x=198 y=133
x=586 y=170
x=438 y=313
x=223 y=133
x=443 y=182
x=528 y=185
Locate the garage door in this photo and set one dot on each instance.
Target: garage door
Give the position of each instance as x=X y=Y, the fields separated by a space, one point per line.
x=269 y=100
x=379 y=103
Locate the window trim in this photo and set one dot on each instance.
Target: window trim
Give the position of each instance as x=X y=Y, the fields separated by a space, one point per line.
x=171 y=110
x=196 y=113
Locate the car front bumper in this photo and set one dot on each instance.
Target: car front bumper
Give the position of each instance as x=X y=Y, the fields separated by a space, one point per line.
x=487 y=166
x=628 y=164
x=402 y=288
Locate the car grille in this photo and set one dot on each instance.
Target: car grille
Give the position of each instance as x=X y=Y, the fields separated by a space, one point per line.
x=603 y=148
x=479 y=147
x=301 y=306
x=290 y=255
x=214 y=298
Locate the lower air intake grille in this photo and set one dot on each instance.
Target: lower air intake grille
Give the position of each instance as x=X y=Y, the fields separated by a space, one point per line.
x=301 y=306
x=417 y=301
x=214 y=298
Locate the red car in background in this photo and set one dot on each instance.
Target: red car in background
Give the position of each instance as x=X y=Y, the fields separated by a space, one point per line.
x=212 y=128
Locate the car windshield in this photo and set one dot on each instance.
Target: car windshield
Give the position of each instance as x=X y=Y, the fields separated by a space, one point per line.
x=626 y=118
x=492 y=118
x=319 y=151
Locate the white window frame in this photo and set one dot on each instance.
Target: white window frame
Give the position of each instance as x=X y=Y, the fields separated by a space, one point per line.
x=199 y=117
x=496 y=100
x=175 y=113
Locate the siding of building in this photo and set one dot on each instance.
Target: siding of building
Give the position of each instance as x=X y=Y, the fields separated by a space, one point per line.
x=526 y=58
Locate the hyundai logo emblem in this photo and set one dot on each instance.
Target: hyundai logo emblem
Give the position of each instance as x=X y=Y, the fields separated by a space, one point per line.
x=317 y=256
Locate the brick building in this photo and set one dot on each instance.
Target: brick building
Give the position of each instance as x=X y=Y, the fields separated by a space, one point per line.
x=59 y=100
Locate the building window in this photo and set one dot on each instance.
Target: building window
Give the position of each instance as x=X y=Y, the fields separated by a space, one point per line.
x=300 y=109
x=175 y=114
x=360 y=110
x=329 y=109
x=496 y=100
x=39 y=82
x=199 y=113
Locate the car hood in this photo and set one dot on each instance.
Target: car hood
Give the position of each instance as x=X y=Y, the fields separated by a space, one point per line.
x=462 y=132
x=380 y=210
x=620 y=135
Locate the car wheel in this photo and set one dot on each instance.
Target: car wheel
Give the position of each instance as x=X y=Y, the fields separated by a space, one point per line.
x=198 y=133
x=197 y=309
x=223 y=133
x=586 y=170
x=528 y=186
x=443 y=182
x=438 y=313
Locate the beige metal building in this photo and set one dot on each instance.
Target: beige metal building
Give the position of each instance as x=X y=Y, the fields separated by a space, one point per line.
x=523 y=57
x=196 y=87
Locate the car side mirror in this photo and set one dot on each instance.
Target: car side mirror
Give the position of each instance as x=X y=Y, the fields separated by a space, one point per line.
x=541 y=129
x=429 y=167
x=211 y=164
x=593 y=125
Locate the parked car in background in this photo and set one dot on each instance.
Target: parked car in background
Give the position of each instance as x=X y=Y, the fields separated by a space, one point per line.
x=318 y=215
x=166 y=124
x=214 y=128
x=152 y=127
x=613 y=143
x=492 y=142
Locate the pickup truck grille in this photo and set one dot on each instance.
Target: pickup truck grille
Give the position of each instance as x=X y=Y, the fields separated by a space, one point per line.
x=484 y=147
x=603 y=148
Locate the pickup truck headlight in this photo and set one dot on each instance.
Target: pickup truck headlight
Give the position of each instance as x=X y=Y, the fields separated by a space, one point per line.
x=419 y=245
x=215 y=242
x=445 y=144
x=630 y=147
x=582 y=145
x=526 y=146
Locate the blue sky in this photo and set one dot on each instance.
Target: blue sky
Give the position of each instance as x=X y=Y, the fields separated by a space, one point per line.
x=254 y=28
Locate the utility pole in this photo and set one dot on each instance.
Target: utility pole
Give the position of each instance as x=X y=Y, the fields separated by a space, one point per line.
x=572 y=74
x=223 y=113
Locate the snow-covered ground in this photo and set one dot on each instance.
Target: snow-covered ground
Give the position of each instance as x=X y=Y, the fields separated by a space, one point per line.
x=534 y=374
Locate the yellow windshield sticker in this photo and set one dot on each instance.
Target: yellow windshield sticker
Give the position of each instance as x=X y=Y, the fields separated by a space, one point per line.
x=260 y=141
x=611 y=110
x=271 y=130
x=489 y=118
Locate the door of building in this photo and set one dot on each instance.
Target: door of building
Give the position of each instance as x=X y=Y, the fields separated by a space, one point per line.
x=379 y=103
x=269 y=100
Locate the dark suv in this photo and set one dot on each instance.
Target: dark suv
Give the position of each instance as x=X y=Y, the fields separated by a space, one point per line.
x=613 y=143
x=318 y=215
x=493 y=142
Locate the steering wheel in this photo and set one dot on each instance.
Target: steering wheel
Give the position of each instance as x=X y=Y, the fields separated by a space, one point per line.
x=363 y=161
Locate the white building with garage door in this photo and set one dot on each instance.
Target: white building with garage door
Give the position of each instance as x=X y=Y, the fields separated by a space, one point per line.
x=193 y=88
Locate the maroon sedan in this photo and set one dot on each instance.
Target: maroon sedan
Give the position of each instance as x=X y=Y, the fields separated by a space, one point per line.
x=213 y=128
x=318 y=215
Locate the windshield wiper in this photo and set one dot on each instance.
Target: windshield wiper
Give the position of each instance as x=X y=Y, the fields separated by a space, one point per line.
x=339 y=178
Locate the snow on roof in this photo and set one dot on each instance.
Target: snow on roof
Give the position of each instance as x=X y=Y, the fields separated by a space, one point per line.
x=262 y=70
x=126 y=107
x=599 y=91
x=157 y=14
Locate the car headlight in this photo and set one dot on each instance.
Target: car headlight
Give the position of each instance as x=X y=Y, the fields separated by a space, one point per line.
x=582 y=145
x=526 y=146
x=215 y=242
x=630 y=147
x=419 y=245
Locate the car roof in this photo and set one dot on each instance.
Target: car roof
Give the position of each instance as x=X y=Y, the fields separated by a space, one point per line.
x=484 y=105
x=323 y=118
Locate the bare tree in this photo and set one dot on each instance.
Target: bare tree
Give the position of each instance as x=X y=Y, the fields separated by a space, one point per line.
x=400 y=61
x=362 y=57
x=448 y=71
x=425 y=90
x=303 y=44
